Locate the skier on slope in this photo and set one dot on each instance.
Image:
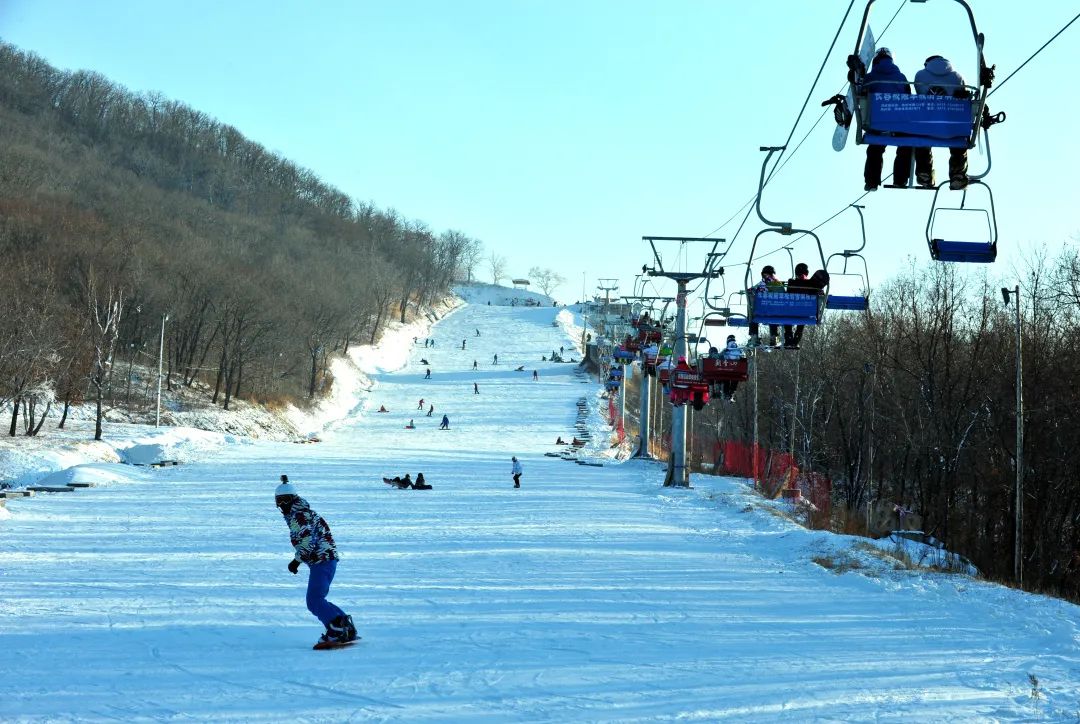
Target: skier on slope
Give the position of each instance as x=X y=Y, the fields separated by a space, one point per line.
x=516 y=471
x=314 y=544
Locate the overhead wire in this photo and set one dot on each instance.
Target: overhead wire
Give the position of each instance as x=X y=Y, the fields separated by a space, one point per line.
x=781 y=162
x=780 y=165
x=791 y=134
x=1018 y=68
x=1041 y=48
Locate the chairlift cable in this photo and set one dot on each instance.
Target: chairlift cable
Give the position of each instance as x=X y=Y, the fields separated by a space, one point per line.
x=1052 y=39
x=779 y=165
x=843 y=90
x=1041 y=48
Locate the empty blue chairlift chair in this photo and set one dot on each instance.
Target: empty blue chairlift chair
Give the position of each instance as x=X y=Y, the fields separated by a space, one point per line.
x=854 y=302
x=979 y=252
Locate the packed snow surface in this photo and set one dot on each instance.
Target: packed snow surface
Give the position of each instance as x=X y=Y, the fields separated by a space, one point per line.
x=590 y=594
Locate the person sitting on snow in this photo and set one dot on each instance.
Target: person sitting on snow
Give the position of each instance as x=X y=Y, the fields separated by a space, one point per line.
x=420 y=483
x=382 y=408
x=399 y=482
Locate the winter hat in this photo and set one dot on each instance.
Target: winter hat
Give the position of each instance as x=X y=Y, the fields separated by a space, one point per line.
x=883 y=52
x=731 y=338
x=801 y=268
x=286 y=488
x=768 y=270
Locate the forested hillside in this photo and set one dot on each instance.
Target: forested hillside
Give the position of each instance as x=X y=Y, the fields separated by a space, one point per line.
x=117 y=209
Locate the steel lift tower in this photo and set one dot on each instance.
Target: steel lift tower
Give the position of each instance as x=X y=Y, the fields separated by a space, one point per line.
x=678 y=475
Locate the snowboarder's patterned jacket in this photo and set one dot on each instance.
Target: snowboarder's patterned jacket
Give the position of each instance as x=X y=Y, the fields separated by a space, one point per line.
x=309 y=534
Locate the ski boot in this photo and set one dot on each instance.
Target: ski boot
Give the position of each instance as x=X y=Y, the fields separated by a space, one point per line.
x=341 y=629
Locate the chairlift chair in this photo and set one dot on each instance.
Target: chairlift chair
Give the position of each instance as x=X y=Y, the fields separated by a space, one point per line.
x=983 y=252
x=663 y=369
x=781 y=307
x=856 y=302
x=920 y=120
x=724 y=370
x=687 y=386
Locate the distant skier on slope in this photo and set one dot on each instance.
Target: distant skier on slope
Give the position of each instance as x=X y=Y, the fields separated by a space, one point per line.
x=445 y=424
x=314 y=545
x=516 y=471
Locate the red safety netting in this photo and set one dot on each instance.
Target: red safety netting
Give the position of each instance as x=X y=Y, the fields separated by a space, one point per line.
x=615 y=420
x=776 y=471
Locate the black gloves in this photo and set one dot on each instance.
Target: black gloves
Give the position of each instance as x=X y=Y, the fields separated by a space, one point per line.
x=294 y=566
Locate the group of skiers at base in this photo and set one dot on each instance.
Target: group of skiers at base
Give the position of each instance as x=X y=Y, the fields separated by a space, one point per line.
x=801 y=283
x=937 y=77
x=408 y=483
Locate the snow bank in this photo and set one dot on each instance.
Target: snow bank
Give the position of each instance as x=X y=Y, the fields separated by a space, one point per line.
x=93 y=474
x=352 y=374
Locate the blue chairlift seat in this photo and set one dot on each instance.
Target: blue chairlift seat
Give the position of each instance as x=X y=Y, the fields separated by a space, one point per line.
x=899 y=119
x=963 y=251
x=738 y=322
x=847 y=303
x=784 y=308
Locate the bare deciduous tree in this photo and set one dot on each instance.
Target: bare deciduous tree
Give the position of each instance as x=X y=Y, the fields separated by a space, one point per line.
x=497 y=265
x=546 y=279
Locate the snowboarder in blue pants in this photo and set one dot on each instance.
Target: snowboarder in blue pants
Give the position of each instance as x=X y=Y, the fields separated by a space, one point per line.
x=314 y=545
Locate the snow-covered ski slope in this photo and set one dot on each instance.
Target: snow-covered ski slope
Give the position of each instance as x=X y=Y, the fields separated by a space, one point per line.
x=590 y=594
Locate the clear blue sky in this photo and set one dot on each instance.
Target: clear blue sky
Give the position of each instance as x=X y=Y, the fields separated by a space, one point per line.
x=559 y=133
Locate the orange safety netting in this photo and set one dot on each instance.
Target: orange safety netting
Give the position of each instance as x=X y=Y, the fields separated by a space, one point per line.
x=776 y=471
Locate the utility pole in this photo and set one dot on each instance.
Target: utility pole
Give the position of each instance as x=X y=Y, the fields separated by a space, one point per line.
x=678 y=473
x=645 y=412
x=1018 y=558
x=870 y=371
x=585 y=323
x=754 y=445
x=161 y=355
